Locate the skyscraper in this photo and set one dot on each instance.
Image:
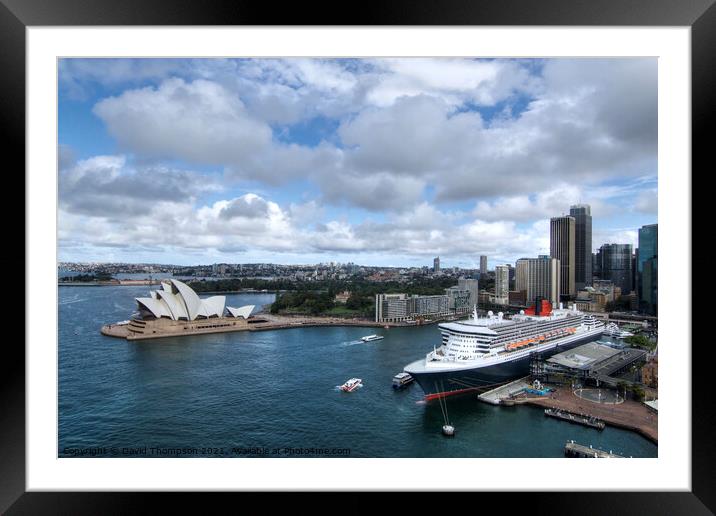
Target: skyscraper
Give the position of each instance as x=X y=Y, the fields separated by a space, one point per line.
x=436 y=264
x=649 y=276
x=562 y=247
x=538 y=277
x=502 y=284
x=615 y=265
x=595 y=269
x=646 y=267
x=483 y=265
x=582 y=214
x=470 y=285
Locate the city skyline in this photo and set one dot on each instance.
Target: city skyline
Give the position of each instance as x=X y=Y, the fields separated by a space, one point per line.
x=381 y=162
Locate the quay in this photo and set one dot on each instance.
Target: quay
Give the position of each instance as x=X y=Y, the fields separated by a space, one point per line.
x=137 y=329
x=629 y=415
x=503 y=395
x=580 y=419
x=572 y=449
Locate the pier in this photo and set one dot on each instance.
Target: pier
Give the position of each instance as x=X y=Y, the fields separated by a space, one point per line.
x=575 y=450
x=580 y=419
x=503 y=395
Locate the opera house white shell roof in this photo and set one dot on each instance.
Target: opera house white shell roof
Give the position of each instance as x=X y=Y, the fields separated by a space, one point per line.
x=177 y=301
x=244 y=311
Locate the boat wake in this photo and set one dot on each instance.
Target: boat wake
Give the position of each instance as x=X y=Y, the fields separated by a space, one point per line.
x=351 y=343
x=70 y=301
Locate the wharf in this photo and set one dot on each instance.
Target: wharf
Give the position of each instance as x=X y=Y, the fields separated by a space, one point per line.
x=504 y=393
x=580 y=419
x=572 y=449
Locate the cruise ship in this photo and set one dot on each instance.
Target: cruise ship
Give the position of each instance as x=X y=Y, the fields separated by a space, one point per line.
x=481 y=353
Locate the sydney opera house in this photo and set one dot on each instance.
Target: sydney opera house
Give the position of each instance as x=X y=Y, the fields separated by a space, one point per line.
x=178 y=301
x=176 y=310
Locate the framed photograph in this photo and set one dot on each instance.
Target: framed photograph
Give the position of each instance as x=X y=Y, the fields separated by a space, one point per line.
x=329 y=257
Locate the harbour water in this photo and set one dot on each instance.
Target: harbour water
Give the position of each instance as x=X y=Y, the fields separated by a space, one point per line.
x=240 y=394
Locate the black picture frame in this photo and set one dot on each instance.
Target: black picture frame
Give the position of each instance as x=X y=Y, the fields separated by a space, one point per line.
x=17 y=15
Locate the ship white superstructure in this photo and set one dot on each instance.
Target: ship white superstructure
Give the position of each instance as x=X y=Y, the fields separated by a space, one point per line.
x=498 y=346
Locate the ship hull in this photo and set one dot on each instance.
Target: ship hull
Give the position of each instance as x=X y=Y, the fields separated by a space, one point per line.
x=437 y=384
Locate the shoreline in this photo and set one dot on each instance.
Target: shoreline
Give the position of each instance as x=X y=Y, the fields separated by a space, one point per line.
x=135 y=283
x=157 y=329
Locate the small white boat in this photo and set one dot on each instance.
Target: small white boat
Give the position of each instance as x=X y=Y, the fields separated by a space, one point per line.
x=612 y=330
x=351 y=385
x=369 y=338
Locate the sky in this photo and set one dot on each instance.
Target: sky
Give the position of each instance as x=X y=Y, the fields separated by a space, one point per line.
x=386 y=162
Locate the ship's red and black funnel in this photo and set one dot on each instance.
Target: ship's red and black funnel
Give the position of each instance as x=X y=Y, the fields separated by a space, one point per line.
x=541 y=307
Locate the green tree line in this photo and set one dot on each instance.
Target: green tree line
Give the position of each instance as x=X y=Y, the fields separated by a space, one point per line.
x=98 y=276
x=318 y=297
x=640 y=341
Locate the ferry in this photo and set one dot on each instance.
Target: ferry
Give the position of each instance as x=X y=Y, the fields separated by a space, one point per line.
x=481 y=353
x=351 y=385
x=370 y=338
x=612 y=330
x=401 y=380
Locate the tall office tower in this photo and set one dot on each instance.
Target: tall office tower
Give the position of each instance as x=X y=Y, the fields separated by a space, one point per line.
x=650 y=289
x=436 y=264
x=634 y=258
x=582 y=214
x=646 y=268
x=562 y=247
x=502 y=283
x=538 y=277
x=483 y=265
x=470 y=285
x=616 y=265
x=597 y=269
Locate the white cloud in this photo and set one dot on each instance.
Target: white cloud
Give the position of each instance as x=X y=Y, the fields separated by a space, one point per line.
x=570 y=131
x=647 y=202
x=249 y=206
x=615 y=236
x=199 y=122
x=105 y=186
x=455 y=81
x=552 y=202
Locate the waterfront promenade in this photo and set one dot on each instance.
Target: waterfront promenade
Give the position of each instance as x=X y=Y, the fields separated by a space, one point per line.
x=631 y=415
x=140 y=330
